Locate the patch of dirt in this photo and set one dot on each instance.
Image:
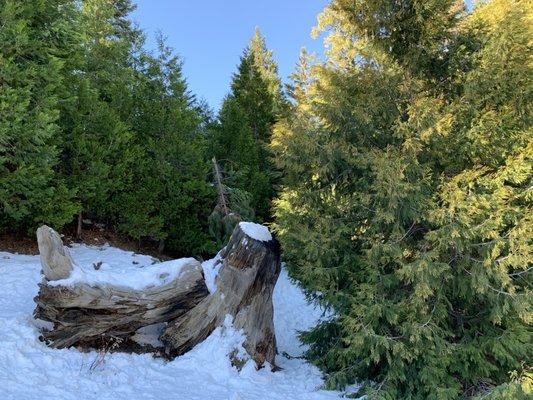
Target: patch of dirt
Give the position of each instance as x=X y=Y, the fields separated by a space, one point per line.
x=23 y=243
x=17 y=242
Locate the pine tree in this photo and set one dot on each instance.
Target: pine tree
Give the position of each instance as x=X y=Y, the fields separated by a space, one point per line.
x=35 y=41
x=406 y=201
x=263 y=59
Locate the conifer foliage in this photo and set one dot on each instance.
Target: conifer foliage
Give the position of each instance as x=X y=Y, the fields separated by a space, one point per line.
x=406 y=200
x=94 y=126
x=246 y=119
x=401 y=171
x=35 y=40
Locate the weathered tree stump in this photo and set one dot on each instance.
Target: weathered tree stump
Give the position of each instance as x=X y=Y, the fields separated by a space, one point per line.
x=250 y=269
x=89 y=315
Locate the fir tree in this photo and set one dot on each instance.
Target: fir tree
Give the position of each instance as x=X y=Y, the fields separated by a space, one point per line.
x=263 y=59
x=97 y=137
x=167 y=196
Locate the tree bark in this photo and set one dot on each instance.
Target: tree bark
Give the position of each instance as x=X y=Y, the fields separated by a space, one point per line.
x=89 y=315
x=220 y=187
x=92 y=316
x=250 y=269
x=79 y=227
x=55 y=259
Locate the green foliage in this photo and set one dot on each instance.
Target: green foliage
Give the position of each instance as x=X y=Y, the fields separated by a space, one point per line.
x=167 y=196
x=34 y=44
x=94 y=124
x=233 y=140
x=413 y=32
x=240 y=141
x=96 y=137
x=233 y=206
x=407 y=196
x=520 y=387
x=406 y=203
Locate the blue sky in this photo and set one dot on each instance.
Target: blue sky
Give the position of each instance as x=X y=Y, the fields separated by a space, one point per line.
x=210 y=35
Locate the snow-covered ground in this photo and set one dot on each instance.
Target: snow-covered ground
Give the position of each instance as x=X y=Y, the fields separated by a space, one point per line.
x=31 y=370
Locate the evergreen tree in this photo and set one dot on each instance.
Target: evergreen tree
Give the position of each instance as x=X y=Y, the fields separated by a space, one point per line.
x=246 y=120
x=35 y=43
x=233 y=206
x=263 y=60
x=240 y=177
x=406 y=200
x=97 y=142
x=167 y=196
x=92 y=123
x=238 y=151
x=134 y=151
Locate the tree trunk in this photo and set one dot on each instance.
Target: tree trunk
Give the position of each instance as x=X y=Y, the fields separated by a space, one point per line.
x=220 y=187
x=94 y=316
x=89 y=315
x=78 y=228
x=250 y=269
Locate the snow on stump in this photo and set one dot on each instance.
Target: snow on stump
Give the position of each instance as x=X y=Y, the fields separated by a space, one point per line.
x=250 y=269
x=89 y=309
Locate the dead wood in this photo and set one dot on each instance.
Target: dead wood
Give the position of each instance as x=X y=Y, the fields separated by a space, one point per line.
x=250 y=269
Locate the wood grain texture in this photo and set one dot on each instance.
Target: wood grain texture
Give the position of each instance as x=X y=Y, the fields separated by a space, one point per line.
x=86 y=315
x=250 y=269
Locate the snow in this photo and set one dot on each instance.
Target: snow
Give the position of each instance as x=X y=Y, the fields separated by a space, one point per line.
x=121 y=268
x=256 y=231
x=149 y=335
x=29 y=370
x=211 y=268
x=134 y=276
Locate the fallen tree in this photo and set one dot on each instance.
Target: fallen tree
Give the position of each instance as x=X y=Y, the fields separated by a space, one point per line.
x=88 y=315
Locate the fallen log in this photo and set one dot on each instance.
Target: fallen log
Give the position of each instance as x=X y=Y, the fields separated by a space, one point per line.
x=89 y=314
x=250 y=269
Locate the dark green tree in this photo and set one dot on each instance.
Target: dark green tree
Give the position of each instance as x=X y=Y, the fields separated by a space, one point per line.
x=246 y=119
x=35 y=44
x=167 y=196
x=235 y=147
x=94 y=124
x=97 y=137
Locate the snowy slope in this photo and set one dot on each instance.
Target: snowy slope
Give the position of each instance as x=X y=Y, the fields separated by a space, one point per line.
x=30 y=370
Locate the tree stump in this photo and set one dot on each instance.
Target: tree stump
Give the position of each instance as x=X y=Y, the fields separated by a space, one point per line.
x=250 y=269
x=87 y=315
